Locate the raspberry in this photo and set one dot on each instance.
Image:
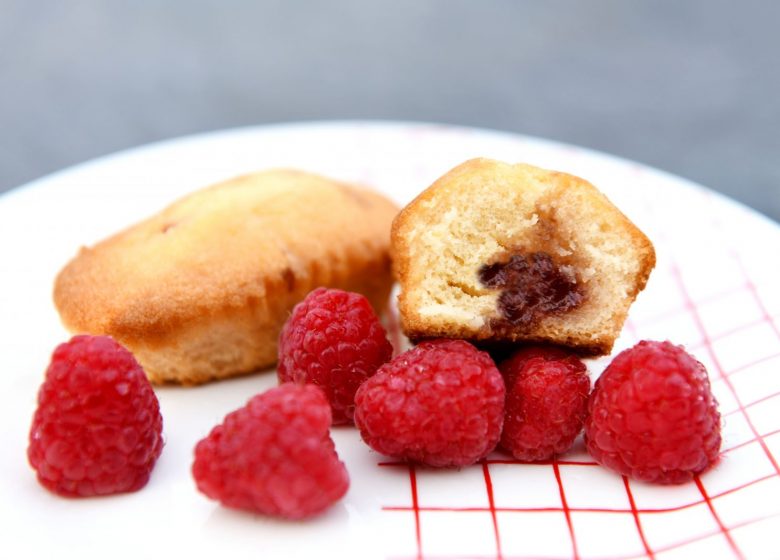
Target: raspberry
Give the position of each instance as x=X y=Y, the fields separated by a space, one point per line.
x=97 y=429
x=546 y=402
x=512 y=366
x=440 y=404
x=652 y=415
x=333 y=339
x=274 y=455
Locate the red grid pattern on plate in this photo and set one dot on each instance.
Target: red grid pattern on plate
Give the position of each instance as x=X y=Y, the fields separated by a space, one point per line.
x=706 y=345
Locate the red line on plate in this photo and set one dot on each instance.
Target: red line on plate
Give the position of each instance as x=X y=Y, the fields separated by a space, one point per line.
x=504 y=462
x=416 y=509
x=635 y=514
x=746 y=326
x=751 y=364
x=492 y=504
x=753 y=403
x=700 y=325
x=703 y=536
x=582 y=510
x=711 y=298
x=566 y=511
x=754 y=440
x=754 y=292
x=488 y=557
x=728 y=332
x=717 y=519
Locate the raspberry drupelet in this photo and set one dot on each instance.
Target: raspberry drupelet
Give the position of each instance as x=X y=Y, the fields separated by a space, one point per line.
x=333 y=339
x=440 y=404
x=652 y=415
x=97 y=429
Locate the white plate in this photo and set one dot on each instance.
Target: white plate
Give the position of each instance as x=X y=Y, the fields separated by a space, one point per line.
x=715 y=289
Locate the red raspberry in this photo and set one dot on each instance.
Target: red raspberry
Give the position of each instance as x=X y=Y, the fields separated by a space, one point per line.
x=274 y=455
x=652 y=415
x=440 y=404
x=513 y=365
x=333 y=339
x=546 y=402
x=97 y=429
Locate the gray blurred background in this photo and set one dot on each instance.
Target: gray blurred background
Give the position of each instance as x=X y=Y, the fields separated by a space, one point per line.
x=690 y=87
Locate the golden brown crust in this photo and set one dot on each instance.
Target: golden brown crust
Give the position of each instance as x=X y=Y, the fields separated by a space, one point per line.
x=483 y=208
x=200 y=290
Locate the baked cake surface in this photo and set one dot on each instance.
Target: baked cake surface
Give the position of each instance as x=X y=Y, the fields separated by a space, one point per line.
x=507 y=253
x=201 y=290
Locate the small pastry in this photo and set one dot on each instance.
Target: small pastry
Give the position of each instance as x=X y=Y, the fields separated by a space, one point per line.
x=501 y=253
x=201 y=290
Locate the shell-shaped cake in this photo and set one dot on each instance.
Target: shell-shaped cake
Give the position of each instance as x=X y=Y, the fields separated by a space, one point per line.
x=201 y=290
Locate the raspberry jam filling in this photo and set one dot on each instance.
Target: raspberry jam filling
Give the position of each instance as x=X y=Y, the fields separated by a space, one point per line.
x=532 y=286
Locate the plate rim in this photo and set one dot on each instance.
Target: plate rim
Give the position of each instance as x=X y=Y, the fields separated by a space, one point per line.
x=44 y=180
